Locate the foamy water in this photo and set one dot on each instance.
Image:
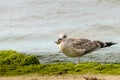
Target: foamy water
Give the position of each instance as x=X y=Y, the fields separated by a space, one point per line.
x=33 y=25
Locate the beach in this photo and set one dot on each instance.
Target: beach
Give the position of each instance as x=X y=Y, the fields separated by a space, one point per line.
x=32 y=26
x=64 y=77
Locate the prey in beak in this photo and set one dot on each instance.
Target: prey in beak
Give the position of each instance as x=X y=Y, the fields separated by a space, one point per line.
x=61 y=38
x=59 y=41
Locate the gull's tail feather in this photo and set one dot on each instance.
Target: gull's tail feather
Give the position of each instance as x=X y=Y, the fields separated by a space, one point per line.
x=104 y=44
x=108 y=44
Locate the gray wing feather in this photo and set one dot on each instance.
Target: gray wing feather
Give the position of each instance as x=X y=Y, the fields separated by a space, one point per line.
x=86 y=44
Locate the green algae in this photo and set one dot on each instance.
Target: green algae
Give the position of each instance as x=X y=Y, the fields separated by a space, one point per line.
x=13 y=63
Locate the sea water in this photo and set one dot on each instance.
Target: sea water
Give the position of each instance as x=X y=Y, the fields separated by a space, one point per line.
x=32 y=26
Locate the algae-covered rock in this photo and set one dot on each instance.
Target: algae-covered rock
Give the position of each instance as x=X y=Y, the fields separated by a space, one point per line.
x=10 y=57
x=30 y=60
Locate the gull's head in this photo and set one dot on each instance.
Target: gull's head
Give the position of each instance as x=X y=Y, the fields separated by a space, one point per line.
x=62 y=37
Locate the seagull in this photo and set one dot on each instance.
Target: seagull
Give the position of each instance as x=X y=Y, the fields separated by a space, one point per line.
x=78 y=47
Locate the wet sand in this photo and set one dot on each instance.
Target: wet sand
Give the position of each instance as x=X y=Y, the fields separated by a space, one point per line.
x=64 y=77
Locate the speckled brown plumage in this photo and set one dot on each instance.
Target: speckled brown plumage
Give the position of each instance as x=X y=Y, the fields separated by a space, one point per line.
x=78 y=47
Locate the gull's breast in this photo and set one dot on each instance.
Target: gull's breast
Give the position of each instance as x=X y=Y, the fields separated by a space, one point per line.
x=69 y=50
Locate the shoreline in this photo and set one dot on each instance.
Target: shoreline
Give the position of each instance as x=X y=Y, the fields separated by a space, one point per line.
x=17 y=66
x=63 y=77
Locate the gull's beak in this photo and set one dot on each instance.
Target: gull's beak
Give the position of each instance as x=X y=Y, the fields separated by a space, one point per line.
x=57 y=42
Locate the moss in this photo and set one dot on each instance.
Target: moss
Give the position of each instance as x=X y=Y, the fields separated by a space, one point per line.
x=10 y=57
x=30 y=60
x=61 y=68
x=15 y=63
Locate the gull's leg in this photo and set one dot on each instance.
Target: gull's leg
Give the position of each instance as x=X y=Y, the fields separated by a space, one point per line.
x=77 y=61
